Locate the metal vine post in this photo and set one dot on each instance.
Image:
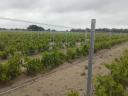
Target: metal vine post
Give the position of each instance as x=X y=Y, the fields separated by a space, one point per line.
x=91 y=55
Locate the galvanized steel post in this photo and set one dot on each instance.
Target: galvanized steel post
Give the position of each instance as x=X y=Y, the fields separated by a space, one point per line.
x=91 y=55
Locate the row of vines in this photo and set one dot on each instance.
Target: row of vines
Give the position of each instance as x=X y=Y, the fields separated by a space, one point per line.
x=19 y=46
x=31 y=43
x=116 y=82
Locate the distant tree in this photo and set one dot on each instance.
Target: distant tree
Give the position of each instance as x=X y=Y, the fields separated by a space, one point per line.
x=48 y=29
x=3 y=29
x=35 y=28
x=115 y=30
x=53 y=30
x=77 y=30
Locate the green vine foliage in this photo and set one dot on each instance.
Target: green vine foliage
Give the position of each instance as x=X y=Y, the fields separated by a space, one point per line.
x=3 y=55
x=33 y=66
x=73 y=93
x=32 y=43
x=4 y=75
x=14 y=66
x=11 y=69
x=115 y=83
x=52 y=59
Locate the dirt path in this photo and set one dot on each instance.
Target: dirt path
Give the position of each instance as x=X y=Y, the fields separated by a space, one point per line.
x=71 y=77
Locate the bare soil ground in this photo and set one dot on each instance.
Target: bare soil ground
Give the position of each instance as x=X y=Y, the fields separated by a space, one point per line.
x=68 y=76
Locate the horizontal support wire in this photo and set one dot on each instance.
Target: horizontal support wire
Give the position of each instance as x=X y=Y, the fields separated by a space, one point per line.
x=33 y=22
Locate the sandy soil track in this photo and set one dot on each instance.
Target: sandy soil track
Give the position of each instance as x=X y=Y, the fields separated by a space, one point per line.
x=69 y=76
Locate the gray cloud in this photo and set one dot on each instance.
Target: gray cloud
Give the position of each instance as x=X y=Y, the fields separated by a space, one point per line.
x=78 y=5
x=109 y=13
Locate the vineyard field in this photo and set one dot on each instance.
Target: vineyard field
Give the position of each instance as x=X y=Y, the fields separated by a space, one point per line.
x=17 y=50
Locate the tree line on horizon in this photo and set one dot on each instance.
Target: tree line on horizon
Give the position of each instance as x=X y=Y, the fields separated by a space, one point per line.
x=39 y=28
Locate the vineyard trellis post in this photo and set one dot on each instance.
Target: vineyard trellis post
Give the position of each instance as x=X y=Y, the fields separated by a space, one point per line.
x=110 y=34
x=91 y=55
x=66 y=39
x=53 y=39
x=85 y=35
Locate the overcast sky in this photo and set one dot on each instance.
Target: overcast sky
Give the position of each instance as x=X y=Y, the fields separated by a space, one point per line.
x=74 y=13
